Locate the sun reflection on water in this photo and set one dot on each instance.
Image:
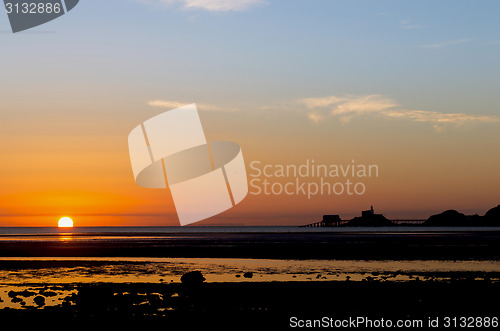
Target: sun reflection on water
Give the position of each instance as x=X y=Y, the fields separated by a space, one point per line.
x=65 y=237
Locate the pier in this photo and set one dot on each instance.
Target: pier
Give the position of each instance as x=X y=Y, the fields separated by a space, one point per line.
x=367 y=218
x=328 y=221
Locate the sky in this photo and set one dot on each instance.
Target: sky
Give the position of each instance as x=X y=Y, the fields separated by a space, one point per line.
x=408 y=86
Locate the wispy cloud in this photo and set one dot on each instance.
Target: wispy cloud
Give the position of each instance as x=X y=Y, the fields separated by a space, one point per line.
x=176 y=104
x=447 y=43
x=348 y=107
x=409 y=25
x=497 y=42
x=209 y=5
x=440 y=120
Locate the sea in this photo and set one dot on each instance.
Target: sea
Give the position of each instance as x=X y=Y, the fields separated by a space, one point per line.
x=35 y=257
x=131 y=230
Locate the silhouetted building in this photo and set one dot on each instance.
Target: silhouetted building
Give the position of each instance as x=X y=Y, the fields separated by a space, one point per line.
x=369 y=218
x=368 y=213
x=331 y=220
x=327 y=221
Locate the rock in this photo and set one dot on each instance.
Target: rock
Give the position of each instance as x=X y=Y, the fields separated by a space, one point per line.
x=492 y=216
x=371 y=220
x=447 y=218
x=16 y=300
x=192 y=278
x=26 y=293
x=48 y=293
x=39 y=300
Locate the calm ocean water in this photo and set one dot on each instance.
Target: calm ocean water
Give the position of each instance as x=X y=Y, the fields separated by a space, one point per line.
x=131 y=230
x=285 y=242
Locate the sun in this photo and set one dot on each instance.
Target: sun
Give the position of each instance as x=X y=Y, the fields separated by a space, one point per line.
x=65 y=222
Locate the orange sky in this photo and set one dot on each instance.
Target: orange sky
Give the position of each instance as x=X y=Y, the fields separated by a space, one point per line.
x=377 y=83
x=89 y=177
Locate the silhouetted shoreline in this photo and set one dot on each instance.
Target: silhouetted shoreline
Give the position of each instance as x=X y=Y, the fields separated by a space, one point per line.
x=449 y=218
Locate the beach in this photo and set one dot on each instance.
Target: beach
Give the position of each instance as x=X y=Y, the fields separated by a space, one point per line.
x=247 y=278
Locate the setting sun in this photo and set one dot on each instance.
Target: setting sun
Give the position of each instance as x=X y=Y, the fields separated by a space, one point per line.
x=65 y=222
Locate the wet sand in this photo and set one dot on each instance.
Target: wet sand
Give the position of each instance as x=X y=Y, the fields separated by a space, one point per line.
x=252 y=280
x=253 y=293
x=292 y=245
x=49 y=270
